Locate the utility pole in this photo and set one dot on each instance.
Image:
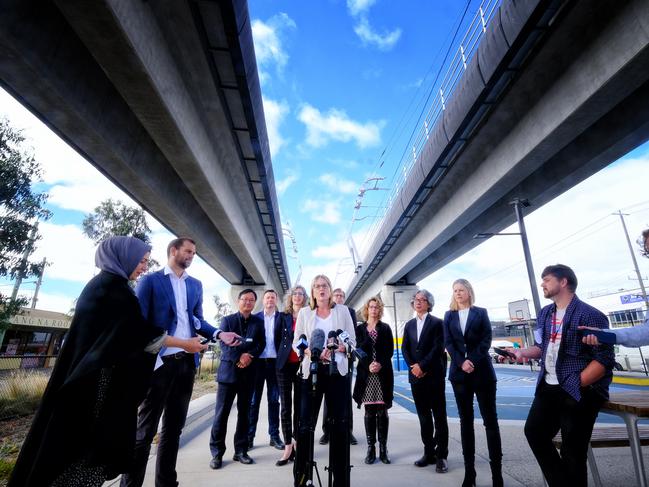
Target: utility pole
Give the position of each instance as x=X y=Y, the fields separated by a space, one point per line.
x=635 y=262
x=23 y=262
x=38 y=283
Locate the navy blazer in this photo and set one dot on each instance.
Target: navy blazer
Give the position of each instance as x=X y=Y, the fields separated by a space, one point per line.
x=158 y=304
x=228 y=371
x=473 y=345
x=428 y=351
x=283 y=338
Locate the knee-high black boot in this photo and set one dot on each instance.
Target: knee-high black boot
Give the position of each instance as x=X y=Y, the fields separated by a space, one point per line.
x=370 y=433
x=383 y=424
x=497 y=474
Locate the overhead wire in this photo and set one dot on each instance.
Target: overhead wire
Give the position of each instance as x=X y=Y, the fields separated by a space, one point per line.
x=382 y=206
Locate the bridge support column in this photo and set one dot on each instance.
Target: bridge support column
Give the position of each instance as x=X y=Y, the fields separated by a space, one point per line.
x=235 y=289
x=397 y=310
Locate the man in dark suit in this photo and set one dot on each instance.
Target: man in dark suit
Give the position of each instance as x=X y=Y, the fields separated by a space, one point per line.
x=172 y=300
x=423 y=351
x=265 y=372
x=236 y=379
x=339 y=298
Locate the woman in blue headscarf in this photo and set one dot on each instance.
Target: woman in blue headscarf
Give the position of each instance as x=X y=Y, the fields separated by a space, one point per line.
x=84 y=431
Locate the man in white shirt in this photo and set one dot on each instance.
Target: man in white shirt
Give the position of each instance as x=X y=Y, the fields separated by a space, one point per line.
x=423 y=351
x=266 y=373
x=172 y=300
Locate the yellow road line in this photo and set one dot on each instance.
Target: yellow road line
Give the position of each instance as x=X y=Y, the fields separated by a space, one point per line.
x=634 y=381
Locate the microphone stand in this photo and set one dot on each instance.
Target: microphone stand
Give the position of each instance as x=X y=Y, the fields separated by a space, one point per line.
x=308 y=442
x=343 y=432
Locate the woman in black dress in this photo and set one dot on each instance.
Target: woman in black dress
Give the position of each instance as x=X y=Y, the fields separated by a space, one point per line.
x=374 y=378
x=467 y=336
x=287 y=365
x=84 y=431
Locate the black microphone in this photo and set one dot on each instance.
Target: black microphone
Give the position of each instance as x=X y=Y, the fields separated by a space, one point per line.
x=302 y=345
x=332 y=340
x=332 y=346
x=316 y=344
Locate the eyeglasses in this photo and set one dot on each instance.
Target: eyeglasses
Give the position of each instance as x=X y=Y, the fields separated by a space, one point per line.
x=298 y=293
x=321 y=286
x=420 y=300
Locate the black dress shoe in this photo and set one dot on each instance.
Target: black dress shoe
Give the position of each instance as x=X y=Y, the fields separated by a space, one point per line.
x=216 y=463
x=277 y=443
x=324 y=439
x=281 y=462
x=243 y=458
x=441 y=465
x=424 y=461
x=352 y=439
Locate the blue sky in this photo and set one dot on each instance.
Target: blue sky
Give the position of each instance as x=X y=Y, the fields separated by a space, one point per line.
x=344 y=84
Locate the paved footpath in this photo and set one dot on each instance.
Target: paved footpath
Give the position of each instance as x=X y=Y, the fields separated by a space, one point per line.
x=404 y=445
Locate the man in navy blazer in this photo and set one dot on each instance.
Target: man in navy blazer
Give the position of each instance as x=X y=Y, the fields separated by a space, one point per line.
x=423 y=350
x=266 y=372
x=236 y=377
x=172 y=300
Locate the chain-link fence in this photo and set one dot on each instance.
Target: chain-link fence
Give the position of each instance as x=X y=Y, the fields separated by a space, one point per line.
x=23 y=379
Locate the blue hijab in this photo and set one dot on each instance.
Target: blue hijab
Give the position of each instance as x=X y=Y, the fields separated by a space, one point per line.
x=120 y=255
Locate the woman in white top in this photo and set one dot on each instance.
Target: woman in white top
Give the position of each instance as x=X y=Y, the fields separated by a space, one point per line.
x=331 y=382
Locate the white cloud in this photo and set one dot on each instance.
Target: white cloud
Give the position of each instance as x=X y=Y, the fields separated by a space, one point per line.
x=55 y=302
x=359 y=10
x=275 y=112
x=368 y=35
x=341 y=185
x=335 y=251
x=359 y=6
x=283 y=184
x=597 y=251
x=71 y=254
x=269 y=50
x=322 y=211
x=336 y=125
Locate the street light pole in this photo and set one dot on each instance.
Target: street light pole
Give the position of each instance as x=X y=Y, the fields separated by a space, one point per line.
x=518 y=204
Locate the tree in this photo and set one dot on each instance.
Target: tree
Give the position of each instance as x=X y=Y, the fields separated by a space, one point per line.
x=20 y=209
x=222 y=308
x=112 y=218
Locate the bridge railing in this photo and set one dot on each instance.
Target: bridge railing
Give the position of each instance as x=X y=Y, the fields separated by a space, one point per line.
x=463 y=54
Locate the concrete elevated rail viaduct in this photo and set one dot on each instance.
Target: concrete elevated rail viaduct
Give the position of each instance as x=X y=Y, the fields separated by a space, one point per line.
x=162 y=97
x=556 y=91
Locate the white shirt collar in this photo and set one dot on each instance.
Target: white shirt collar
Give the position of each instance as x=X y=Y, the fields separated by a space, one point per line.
x=168 y=270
